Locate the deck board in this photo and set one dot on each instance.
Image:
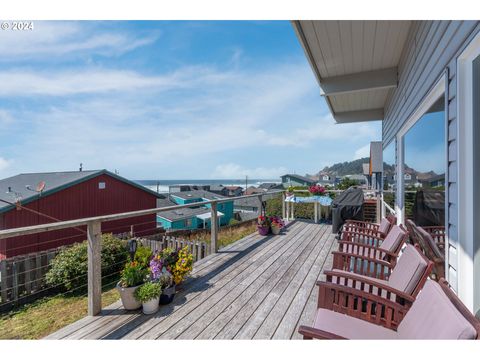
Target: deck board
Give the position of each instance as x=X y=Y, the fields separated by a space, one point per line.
x=258 y=287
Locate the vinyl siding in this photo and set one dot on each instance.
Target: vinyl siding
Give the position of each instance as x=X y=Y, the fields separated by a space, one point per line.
x=431 y=49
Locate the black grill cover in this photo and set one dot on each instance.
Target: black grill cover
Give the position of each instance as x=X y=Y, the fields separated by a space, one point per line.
x=429 y=208
x=348 y=205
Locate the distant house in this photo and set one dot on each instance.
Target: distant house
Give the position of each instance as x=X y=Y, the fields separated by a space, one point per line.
x=251 y=190
x=247 y=204
x=325 y=178
x=180 y=187
x=219 y=189
x=296 y=180
x=234 y=190
x=194 y=217
x=66 y=196
x=362 y=179
x=270 y=186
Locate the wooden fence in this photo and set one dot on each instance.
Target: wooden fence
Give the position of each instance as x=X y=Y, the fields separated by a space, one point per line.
x=22 y=278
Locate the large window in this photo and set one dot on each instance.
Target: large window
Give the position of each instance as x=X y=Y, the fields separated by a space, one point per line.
x=424 y=168
x=389 y=170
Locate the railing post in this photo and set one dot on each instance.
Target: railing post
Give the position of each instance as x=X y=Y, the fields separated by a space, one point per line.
x=260 y=205
x=283 y=206
x=379 y=208
x=94 y=234
x=214 y=228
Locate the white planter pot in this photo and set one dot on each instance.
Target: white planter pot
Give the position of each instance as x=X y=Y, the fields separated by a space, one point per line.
x=128 y=300
x=151 y=307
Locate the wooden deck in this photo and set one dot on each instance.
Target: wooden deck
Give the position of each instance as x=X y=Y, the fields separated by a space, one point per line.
x=256 y=288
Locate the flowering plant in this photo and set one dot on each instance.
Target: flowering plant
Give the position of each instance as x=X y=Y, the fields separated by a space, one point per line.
x=316 y=190
x=156 y=267
x=133 y=274
x=263 y=221
x=183 y=266
x=165 y=278
x=277 y=221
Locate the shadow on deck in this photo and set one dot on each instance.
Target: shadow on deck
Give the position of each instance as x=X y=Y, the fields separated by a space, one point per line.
x=257 y=288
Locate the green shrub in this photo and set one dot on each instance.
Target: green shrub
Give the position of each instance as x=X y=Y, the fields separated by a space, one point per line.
x=148 y=291
x=143 y=256
x=68 y=269
x=233 y=221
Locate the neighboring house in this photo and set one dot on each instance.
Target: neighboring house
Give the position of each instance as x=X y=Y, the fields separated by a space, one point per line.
x=270 y=186
x=178 y=188
x=247 y=204
x=361 y=179
x=296 y=180
x=432 y=67
x=67 y=196
x=251 y=190
x=196 y=216
x=219 y=189
x=325 y=178
x=234 y=190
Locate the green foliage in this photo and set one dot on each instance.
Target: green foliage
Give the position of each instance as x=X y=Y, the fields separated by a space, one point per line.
x=148 y=291
x=133 y=274
x=69 y=268
x=302 y=211
x=233 y=221
x=143 y=256
x=346 y=183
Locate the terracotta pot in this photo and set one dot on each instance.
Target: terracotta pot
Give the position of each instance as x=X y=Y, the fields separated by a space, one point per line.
x=128 y=300
x=276 y=230
x=151 y=306
x=263 y=230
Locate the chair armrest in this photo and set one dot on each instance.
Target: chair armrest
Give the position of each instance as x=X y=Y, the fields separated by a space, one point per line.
x=365 y=250
x=309 y=333
x=369 y=285
x=363 y=236
x=363 y=265
x=361 y=225
x=362 y=304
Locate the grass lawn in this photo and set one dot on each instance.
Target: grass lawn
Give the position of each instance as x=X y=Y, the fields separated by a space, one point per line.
x=227 y=235
x=45 y=316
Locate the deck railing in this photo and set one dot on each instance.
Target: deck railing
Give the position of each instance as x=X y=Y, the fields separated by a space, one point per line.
x=94 y=233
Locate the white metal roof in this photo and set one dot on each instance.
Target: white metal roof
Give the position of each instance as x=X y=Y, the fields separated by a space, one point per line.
x=208 y=215
x=355 y=63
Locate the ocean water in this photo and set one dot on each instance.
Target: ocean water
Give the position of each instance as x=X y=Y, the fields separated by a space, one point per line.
x=162 y=185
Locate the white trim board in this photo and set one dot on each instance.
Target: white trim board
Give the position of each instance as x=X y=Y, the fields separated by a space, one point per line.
x=466 y=184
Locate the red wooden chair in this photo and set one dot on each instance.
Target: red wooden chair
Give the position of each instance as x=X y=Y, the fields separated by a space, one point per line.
x=353 y=228
x=437 y=313
x=433 y=250
x=371 y=259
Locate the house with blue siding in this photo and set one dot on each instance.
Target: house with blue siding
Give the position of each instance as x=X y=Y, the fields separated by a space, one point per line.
x=421 y=80
x=195 y=217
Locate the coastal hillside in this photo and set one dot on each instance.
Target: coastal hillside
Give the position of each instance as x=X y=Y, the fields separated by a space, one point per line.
x=347 y=167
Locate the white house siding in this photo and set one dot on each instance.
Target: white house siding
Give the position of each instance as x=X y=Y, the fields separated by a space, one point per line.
x=431 y=50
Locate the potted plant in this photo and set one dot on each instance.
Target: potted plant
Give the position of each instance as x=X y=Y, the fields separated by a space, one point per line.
x=132 y=276
x=168 y=287
x=276 y=224
x=183 y=267
x=317 y=190
x=263 y=225
x=149 y=295
x=159 y=272
x=178 y=263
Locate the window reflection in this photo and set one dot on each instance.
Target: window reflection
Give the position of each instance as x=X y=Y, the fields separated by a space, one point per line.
x=424 y=168
x=389 y=185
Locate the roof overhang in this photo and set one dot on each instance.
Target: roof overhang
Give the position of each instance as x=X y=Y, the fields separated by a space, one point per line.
x=355 y=63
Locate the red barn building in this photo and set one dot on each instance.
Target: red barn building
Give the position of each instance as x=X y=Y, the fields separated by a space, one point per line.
x=68 y=196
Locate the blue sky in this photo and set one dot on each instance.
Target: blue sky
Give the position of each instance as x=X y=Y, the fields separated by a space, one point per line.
x=167 y=100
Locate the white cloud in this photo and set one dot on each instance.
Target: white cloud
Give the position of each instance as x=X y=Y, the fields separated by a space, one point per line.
x=4 y=164
x=236 y=171
x=63 y=38
x=5 y=117
x=364 y=151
